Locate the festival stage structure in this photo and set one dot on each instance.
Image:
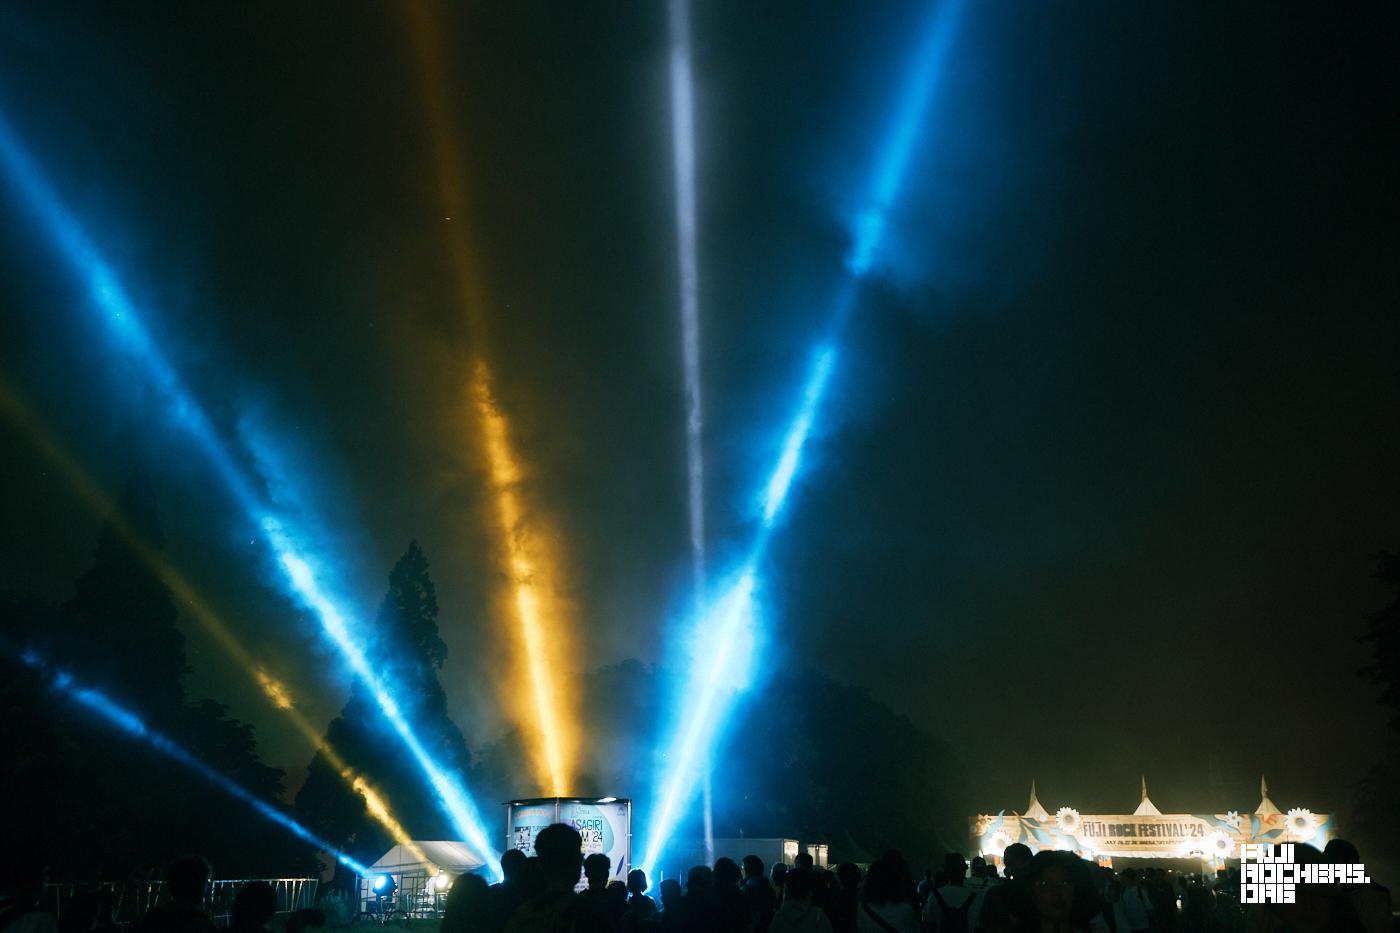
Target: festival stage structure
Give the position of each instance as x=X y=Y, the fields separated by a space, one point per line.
x=1148 y=833
x=605 y=823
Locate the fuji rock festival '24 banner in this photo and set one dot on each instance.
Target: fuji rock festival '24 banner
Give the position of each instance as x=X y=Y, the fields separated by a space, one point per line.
x=1170 y=835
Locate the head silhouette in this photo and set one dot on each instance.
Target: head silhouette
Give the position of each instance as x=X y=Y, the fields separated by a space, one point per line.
x=186 y=878
x=753 y=866
x=726 y=873
x=512 y=864
x=1016 y=858
x=637 y=881
x=254 y=905
x=560 y=851
x=468 y=904
x=699 y=880
x=1341 y=852
x=670 y=893
x=596 y=869
x=800 y=882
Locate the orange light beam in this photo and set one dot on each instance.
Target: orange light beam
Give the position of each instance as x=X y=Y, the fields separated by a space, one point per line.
x=505 y=475
x=540 y=632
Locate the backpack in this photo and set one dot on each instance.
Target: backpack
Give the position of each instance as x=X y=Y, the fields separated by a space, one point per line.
x=953 y=920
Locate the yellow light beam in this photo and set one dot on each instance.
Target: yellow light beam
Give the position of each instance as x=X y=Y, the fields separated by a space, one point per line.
x=276 y=692
x=505 y=474
x=540 y=633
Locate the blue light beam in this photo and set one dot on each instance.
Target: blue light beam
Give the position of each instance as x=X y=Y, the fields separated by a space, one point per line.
x=115 y=714
x=730 y=630
x=893 y=166
x=119 y=313
x=708 y=698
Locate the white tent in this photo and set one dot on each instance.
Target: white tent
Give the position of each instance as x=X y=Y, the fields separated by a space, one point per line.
x=1266 y=806
x=1033 y=809
x=454 y=858
x=415 y=868
x=1146 y=807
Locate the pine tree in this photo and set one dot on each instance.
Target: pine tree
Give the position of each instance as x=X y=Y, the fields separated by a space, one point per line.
x=120 y=622
x=408 y=653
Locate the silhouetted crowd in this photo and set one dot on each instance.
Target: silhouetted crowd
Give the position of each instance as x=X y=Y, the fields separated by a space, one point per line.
x=1049 y=892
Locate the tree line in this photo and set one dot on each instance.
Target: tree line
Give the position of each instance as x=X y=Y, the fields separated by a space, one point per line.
x=97 y=804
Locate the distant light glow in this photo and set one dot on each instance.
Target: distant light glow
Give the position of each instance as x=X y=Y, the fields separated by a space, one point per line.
x=124 y=719
x=112 y=300
x=706 y=701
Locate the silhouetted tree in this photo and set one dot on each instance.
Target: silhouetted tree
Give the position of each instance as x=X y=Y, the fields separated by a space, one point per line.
x=819 y=759
x=408 y=652
x=107 y=805
x=1377 y=825
x=1383 y=635
x=119 y=626
x=804 y=756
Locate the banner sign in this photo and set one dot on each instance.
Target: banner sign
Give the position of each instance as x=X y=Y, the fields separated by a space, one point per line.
x=1173 y=835
x=604 y=824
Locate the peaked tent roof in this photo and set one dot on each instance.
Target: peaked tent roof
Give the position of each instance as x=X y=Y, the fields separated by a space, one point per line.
x=452 y=857
x=1146 y=807
x=1266 y=806
x=1033 y=809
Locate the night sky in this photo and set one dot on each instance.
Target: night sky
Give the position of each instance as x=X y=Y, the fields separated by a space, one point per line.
x=1112 y=435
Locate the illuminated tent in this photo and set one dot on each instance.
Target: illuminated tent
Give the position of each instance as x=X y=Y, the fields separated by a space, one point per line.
x=452 y=857
x=1148 y=833
x=1266 y=806
x=413 y=866
x=1146 y=807
x=1034 y=810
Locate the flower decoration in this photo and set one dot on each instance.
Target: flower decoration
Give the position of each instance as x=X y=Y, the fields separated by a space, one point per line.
x=1068 y=818
x=1302 y=823
x=998 y=843
x=1233 y=818
x=1192 y=848
x=1219 y=845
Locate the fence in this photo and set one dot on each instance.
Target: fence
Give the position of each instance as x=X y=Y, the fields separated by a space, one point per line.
x=132 y=899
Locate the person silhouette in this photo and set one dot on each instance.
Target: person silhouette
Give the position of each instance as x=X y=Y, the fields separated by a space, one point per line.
x=559 y=851
x=253 y=908
x=469 y=906
x=186 y=881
